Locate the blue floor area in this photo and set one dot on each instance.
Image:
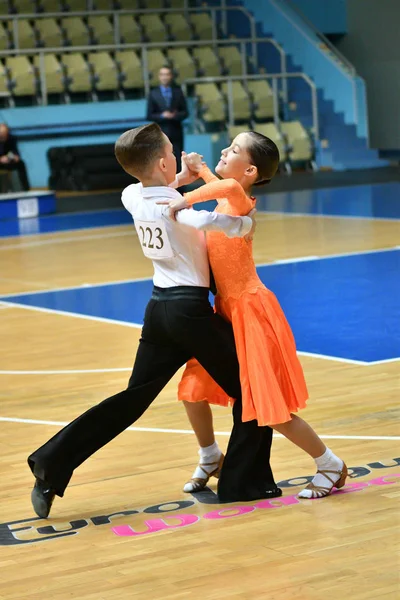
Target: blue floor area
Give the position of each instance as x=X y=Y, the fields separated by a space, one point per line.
x=380 y=201
x=347 y=307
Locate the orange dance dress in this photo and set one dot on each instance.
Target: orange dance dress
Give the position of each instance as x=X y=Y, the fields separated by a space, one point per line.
x=272 y=379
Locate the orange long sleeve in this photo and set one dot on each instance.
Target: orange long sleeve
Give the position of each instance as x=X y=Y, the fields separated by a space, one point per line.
x=218 y=189
x=207 y=175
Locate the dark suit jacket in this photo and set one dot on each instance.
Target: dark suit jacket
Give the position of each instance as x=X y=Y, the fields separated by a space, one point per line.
x=9 y=145
x=156 y=105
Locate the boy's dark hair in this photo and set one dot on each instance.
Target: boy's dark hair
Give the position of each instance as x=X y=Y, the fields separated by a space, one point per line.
x=264 y=155
x=137 y=149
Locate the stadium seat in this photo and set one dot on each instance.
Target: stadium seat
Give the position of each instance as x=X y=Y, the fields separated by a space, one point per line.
x=25 y=7
x=207 y=61
x=130 y=68
x=154 y=4
x=153 y=27
x=50 y=6
x=4 y=8
x=49 y=32
x=22 y=76
x=182 y=63
x=176 y=4
x=78 y=72
x=232 y=59
x=263 y=99
x=300 y=145
x=101 y=30
x=211 y=102
x=234 y=130
x=155 y=60
x=271 y=131
x=4 y=37
x=26 y=34
x=76 y=5
x=129 y=30
x=104 y=68
x=179 y=27
x=104 y=5
x=76 y=31
x=53 y=72
x=202 y=25
x=3 y=79
x=241 y=102
x=128 y=4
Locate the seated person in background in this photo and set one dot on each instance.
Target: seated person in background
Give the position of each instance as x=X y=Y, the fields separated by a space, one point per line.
x=9 y=158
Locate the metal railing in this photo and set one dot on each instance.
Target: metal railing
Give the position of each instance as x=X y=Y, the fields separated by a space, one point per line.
x=116 y=15
x=243 y=43
x=274 y=77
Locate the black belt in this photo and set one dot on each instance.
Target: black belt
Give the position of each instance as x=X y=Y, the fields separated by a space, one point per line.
x=180 y=292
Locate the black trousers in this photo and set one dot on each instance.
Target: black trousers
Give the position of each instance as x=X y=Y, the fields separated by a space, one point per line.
x=179 y=323
x=22 y=174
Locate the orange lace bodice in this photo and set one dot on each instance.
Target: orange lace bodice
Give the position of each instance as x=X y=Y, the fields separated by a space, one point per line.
x=231 y=259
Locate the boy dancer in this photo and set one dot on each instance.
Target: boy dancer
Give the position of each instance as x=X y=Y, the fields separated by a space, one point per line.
x=179 y=323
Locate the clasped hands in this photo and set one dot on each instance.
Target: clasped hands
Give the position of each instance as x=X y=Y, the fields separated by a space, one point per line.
x=192 y=164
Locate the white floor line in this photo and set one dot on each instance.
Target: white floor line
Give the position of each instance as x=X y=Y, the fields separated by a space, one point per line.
x=52 y=311
x=65 y=240
x=269 y=264
x=336 y=358
x=75 y=287
x=190 y=432
x=328 y=256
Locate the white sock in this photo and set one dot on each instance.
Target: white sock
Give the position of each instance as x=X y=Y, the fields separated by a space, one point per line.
x=209 y=459
x=329 y=462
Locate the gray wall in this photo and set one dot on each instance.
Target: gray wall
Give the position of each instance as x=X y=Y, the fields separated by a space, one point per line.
x=373 y=46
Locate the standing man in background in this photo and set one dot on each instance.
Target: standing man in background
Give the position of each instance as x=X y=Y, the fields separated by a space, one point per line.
x=166 y=105
x=9 y=157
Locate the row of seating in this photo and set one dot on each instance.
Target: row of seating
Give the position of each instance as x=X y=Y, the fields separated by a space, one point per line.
x=77 y=31
x=37 y=6
x=186 y=65
x=292 y=139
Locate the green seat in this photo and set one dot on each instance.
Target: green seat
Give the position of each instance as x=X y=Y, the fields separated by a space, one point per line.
x=299 y=141
x=131 y=69
x=3 y=79
x=4 y=37
x=49 y=32
x=104 y=5
x=241 y=101
x=153 y=27
x=207 y=61
x=50 y=6
x=129 y=30
x=101 y=29
x=128 y=4
x=26 y=35
x=202 y=25
x=234 y=130
x=182 y=63
x=211 y=102
x=76 y=31
x=179 y=27
x=53 y=73
x=270 y=130
x=263 y=98
x=22 y=75
x=232 y=59
x=25 y=7
x=76 y=5
x=104 y=68
x=78 y=72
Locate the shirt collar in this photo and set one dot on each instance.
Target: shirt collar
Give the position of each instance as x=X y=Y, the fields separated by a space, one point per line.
x=158 y=191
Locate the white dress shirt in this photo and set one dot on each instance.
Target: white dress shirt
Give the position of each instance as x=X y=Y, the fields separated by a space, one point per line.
x=177 y=248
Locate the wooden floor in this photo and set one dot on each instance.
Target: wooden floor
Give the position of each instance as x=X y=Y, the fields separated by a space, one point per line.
x=346 y=545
